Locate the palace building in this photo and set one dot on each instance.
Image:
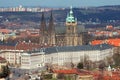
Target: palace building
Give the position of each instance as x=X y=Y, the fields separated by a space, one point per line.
x=70 y=34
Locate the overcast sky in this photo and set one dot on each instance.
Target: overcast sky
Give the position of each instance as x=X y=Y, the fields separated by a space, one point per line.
x=58 y=3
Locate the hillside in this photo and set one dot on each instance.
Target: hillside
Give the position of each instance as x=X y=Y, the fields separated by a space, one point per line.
x=103 y=14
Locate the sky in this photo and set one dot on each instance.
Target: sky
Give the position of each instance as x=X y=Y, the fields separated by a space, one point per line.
x=58 y=3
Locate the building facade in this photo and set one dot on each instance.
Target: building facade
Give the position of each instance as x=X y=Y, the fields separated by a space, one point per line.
x=68 y=36
x=76 y=54
x=65 y=55
x=3 y=62
x=59 y=55
x=32 y=60
x=12 y=56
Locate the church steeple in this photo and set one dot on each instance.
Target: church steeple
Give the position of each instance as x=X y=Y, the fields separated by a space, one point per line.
x=71 y=12
x=51 y=27
x=43 y=28
x=51 y=30
x=70 y=17
x=71 y=29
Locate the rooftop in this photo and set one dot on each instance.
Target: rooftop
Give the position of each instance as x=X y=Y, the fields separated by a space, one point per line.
x=18 y=45
x=76 y=48
x=113 y=42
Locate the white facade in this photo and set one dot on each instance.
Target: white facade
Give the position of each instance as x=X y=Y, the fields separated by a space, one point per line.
x=12 y=56
x=32 y=61
x=60 y=58
x=55 y=55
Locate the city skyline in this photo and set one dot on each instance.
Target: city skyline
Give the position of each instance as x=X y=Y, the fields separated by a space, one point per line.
x=58 y=3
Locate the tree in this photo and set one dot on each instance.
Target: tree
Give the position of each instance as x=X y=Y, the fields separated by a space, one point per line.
x=80 y=65
x=5 y=71
x=102 y=65
x=68 y=77
x=60 y=76
x=86 y=62
x=101 y=68
x=116 y=58
x=72 y=65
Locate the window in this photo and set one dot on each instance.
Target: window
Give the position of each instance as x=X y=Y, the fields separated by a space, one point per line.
x=68 y=28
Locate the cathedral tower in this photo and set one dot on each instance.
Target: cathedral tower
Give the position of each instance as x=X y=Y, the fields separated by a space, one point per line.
x=43 y=30
x=51 y=31
x=71 y=29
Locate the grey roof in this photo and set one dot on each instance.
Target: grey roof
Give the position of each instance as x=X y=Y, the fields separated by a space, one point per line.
x=76 y=48
x=3 y=43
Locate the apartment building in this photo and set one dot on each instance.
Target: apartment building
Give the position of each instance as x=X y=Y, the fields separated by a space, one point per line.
x=12 y=56
x=32 y=60
x=12 y=51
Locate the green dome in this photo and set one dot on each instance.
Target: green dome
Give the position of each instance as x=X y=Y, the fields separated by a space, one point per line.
x=70 y=17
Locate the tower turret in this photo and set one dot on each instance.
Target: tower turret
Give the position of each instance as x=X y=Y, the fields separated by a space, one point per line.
x=71 y=30
x=71 y=20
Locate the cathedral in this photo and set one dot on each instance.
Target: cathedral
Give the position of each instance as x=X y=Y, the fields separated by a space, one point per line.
x=71 y=34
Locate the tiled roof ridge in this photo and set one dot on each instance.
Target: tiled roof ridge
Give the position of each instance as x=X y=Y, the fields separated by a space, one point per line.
x=19 y=46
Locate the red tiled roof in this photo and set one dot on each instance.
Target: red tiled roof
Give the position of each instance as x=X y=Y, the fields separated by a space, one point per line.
x=28 y=33
x=106 y=76
x=114 y=42
x=96 y=42
x=5 y=31
x=27 y=46
x=109 y=27
x=21 y=46
x=72 y=71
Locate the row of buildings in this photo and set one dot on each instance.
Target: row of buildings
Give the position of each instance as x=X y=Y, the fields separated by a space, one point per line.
x=109 y=31
x=20 y=8
x=31 y=56
x=6 y=34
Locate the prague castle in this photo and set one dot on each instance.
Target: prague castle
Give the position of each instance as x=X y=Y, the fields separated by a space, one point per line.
x=71 y=34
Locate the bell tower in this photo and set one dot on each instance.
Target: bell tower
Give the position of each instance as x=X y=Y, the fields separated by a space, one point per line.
x=71 y=29
x=43 y=30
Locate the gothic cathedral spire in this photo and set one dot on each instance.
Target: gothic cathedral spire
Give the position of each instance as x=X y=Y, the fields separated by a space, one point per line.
x=51 y=30
x=43 y=30
x=51 y=24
